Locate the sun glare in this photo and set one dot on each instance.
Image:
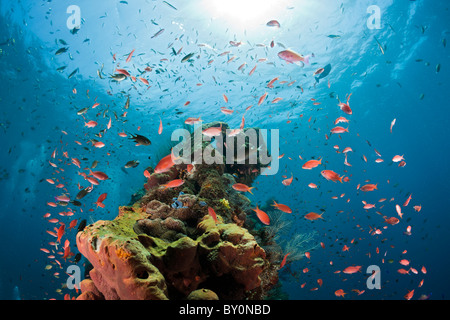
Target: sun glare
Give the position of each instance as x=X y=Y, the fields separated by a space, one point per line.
x=246 y=14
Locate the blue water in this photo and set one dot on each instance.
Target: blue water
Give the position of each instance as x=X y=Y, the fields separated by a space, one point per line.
x=402 y=83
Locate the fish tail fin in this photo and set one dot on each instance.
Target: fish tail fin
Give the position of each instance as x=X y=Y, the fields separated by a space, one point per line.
x=340 y=179
x=250 y=190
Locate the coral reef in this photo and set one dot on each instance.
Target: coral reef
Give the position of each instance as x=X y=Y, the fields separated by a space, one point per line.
x=166 y=245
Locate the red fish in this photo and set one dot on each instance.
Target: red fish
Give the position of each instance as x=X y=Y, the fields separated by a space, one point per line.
x=287 y=182
x=284 y=260
x=130 y=56
x=174 y=184
x=165 y=163
x=340 y=293
x=282 y=207
x=331 y=175
x=262 y=98
x=339 y=130
x=409 y=295
x=100 y=200
x=212 y=213
x=242 y=187
x=60 y=232
x=391 y=220
x=160 y=126
x=369 y=187
x=291 y=56
x=313 y=216
x=311 y=164
x=345 y=106
x=262 y=216
x=99 y=175
x=407 y=201
x=90 y=124
x=352 y=269
x=273 y=23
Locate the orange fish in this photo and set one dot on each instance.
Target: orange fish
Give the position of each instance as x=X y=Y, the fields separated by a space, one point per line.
x=397 y=158
x=90 y=124
x=311 y=164
x=173 y=184
x=282 y=207
x=369 y=187
x=73 y=223
x=60 y=232
x=242 y=187
x=341 y=119
x=160 y=126
x=345 y=106
x=192 y=121
x=100 y=200
x=165 y=164
x=313 y=216
x=340 y=293
x=284 y=260
x=291 y=56
x=130 y=56
x=287 y=182
x=407 y=201
x=312 y=185
x=331 y=175
x=212 y=213
x=262 y=98
x=144 y=81
x=391 y=220
x=409 y=295
x=339 y=130
x=262 y=216
x=352 y=269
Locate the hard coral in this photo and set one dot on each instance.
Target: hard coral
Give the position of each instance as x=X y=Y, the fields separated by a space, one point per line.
x=168 y=246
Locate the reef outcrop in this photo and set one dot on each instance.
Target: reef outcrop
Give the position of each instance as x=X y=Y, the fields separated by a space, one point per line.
x=168 y=246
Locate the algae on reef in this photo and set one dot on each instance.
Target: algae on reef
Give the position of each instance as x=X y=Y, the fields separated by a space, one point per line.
x=167 y=246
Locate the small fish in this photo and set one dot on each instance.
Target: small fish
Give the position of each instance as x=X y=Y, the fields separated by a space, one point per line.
x=158 y=33
x=242 y=187
x=100 y=200
x=83 y=193
x=170 y=5
x=331 y=176
x=82 y=111
x=61 y=51
x=283 y=262
x=130 y=55
x=173 y=184
x=118 y=77
x=132 y=164
x=212 y=213
x=313 y=216
x=82 y=225
x=141 y=140
x=73 y=73
x=273 y=23
x=282 y=207
x=187 y=57
x=262 y=216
